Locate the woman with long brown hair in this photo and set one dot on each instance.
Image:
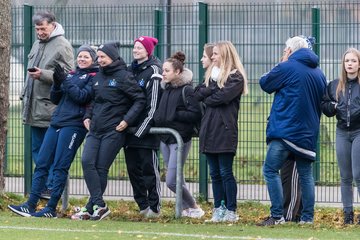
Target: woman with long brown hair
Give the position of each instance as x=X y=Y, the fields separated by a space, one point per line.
x=342 y=99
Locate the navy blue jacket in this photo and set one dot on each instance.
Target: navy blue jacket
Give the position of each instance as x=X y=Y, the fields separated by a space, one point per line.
x=71 y=98
x=299 y=86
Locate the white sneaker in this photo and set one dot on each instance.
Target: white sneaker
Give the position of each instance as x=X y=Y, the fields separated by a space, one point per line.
x=230 y=216
x=217 y=216
x=144 y=212
x=152 y=214
x=193 y=213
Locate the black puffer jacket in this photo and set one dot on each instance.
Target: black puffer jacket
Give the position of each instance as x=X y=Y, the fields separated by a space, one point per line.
x=219 y=125
x=348 y=105
x=116 y=97
x=72 y=97
x=173 y=112
x=148 y=77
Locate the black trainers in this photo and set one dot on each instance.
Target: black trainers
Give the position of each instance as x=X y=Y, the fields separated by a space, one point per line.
x=23 y=210
x=100 y=212
x=270 y=221
x=46 y=194
x=348 y=218
x=45 y=212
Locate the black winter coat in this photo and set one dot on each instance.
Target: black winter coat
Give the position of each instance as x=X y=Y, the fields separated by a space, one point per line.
x=348 y=105
x=115 y=97
x=72 y=97
x=174 y=113
x=219 y=125
x=148 y=77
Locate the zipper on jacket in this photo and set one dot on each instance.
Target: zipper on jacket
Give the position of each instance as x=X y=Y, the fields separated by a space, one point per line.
x=348 y=107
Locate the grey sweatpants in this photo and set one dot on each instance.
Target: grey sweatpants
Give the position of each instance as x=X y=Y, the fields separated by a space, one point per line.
x=169 y=154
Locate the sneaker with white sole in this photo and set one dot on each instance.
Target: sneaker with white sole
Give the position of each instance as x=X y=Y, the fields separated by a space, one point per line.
x=23 y=210
x=45 y=212
x=218 y=215
x=144 y=211
x=82 y=214
x=193 y=213
x=100 y=212
x=46 y=194
x=306 y=222
x=270 y=221
x=152 y=214
x=230 y=216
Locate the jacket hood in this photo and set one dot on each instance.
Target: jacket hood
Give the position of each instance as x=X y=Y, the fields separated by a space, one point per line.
x=58 y=31
x=184 y=78
x=117 y=65
x=306 y=57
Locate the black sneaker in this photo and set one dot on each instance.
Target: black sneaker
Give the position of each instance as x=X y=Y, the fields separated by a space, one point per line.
x=45 y=212
x=23 y=210
x=348 y=218
x=46 y=194
x=270 y=221
x=100 y=212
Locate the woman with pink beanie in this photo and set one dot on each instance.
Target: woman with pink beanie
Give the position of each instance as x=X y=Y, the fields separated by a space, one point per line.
x=141 y=148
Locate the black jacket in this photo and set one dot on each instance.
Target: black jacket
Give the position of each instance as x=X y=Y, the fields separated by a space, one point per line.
x=71 y=98
x=115 y=97
x=148 y=77
x=348 y=105
x=174 y=113
x=219 y=125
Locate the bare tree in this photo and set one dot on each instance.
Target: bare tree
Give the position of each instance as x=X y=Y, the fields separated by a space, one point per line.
x=5 y=45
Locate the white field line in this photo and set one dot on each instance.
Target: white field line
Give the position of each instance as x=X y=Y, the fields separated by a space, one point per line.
x=201 y=236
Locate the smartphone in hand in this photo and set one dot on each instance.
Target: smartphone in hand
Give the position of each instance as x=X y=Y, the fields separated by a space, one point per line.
x=32 y=69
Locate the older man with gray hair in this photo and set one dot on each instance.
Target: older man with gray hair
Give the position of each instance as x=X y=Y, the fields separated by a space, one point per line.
x=293 y=124
x=50 y=49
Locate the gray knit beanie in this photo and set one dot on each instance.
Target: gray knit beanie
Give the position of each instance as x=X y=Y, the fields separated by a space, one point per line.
x=88 y=49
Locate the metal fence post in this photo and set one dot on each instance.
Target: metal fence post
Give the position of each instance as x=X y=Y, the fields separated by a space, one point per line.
x=179 y=166
x=28 y=41
x=158 y=33
x=316 y=33
x=65 y=196
x=203 y=38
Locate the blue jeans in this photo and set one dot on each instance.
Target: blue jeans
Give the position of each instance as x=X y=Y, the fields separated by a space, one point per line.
x=223 y=181
x=37 y=138
x=348 y=154
x=277 y=154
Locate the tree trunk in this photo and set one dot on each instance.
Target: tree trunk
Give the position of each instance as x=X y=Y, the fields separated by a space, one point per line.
x=5 y=45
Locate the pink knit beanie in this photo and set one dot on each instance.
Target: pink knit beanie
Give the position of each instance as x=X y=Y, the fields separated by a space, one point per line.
x=148 y=42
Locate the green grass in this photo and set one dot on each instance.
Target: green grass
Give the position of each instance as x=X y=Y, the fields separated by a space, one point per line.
x=125 y=223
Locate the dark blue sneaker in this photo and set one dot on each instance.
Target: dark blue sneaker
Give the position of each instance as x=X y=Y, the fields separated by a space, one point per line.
x=45 y=212
x=23 y=210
